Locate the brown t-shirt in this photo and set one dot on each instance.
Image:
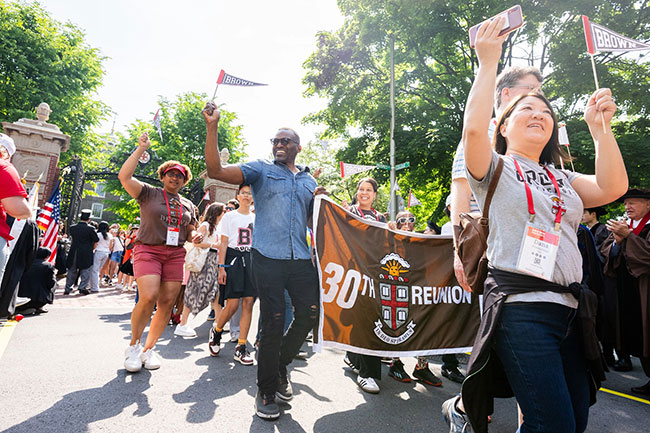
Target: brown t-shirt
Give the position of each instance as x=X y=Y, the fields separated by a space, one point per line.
x=154 y=218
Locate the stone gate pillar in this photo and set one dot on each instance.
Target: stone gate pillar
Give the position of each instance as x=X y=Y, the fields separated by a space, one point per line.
x=38 y=147
x=219 y=191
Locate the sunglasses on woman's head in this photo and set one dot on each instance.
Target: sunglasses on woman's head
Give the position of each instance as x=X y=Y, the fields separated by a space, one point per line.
x=405 y=220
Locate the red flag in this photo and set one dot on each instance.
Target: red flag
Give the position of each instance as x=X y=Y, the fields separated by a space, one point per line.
x=589 y=38
x=206 y=196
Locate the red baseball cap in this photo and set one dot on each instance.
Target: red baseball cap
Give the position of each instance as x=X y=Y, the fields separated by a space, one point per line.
x=176 y=167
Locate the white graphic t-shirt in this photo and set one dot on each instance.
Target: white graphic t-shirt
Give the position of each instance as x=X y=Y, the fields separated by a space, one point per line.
x=238 y=228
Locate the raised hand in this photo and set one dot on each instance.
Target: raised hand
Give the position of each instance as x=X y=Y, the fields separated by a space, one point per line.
x=143 y=141
x=488 y=41
x=211 y=113
x=600 y=102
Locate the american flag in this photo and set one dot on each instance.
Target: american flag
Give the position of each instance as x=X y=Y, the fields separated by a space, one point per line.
x=48 y=221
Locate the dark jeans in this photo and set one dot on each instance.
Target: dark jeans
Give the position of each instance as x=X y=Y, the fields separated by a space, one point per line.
x=542 y=357
x=288 y=316
x=271 y=277
x=449 y=361
x=368 y=365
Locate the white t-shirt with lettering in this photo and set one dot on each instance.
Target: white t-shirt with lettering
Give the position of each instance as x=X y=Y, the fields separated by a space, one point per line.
x=239 y=229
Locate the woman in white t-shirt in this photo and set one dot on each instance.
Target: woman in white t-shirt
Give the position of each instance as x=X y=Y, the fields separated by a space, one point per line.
x=117 y=251
x=202 y=286
x=102 y=251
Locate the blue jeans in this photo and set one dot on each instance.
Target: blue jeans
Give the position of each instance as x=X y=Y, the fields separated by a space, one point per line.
x=542 y=356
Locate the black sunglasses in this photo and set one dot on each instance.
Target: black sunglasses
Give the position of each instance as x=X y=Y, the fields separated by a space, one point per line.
x=230 y=208
x=404 y=220
x=283 y=140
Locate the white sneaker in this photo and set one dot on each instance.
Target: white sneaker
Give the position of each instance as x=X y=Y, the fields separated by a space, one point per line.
x=368 y=384
x=234 y=337
x=184 y=331
x=133 y=361
x=151 y=360
x=119 y=286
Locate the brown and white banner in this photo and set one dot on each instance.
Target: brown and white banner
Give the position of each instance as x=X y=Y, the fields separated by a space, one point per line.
x=388 y=293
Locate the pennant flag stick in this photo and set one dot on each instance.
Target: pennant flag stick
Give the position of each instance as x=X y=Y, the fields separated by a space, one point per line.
x=592 y=50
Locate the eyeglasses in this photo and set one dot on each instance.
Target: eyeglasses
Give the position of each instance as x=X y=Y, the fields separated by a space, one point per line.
x=528 y=87
x=246 y=193
x=405 y=220
x=283 y=140
x=175 y=175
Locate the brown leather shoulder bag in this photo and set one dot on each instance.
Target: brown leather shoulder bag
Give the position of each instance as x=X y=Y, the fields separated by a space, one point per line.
x=472 y=239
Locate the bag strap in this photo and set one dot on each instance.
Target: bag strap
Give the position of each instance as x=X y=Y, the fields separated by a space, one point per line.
x=492 y=187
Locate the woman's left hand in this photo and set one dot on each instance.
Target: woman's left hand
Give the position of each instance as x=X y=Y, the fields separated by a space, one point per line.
x=197 y=238
x=600 y=102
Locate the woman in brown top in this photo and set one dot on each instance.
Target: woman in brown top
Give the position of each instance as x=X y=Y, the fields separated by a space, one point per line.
x=166 y=222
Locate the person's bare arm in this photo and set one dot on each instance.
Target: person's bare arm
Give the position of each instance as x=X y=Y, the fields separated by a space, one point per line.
x=461 y=194
x=17 y=207
x=222 y=259
x=610 y=181
x=132 y=185
x=478 y=110
x=231 y=173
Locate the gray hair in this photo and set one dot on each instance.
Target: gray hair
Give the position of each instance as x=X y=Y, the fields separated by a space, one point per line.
x=510 y=76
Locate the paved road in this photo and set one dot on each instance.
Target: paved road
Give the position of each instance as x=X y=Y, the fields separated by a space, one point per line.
x=62 y=372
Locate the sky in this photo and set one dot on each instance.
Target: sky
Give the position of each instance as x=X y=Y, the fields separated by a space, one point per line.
x=168 y=47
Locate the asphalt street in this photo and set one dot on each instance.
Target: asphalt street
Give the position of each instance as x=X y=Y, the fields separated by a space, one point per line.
x=63 y=372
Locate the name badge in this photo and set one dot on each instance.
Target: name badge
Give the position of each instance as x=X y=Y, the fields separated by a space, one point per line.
x=538 y=252
x=173 y=233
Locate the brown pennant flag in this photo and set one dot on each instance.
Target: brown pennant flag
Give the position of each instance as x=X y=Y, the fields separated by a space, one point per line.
x=388 y=293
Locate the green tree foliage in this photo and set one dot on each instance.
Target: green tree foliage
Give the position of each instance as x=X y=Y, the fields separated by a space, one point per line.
x=183 y=131
x=42 y=60
x=434 y=68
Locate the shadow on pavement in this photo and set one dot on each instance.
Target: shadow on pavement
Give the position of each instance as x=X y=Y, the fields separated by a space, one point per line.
x=90 y=405
x=222 y=379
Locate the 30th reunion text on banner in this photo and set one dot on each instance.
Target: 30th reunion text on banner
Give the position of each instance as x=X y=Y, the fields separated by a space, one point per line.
x=388 y=293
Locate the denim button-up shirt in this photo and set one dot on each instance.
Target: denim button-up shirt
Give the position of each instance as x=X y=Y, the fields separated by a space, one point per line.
x=283 y=203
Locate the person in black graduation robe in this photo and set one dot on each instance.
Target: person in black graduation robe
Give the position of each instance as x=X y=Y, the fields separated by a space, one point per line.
x=38 y=284
x=627 y=258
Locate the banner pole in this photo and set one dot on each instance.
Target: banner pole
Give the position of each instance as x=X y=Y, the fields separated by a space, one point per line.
x=593 y=67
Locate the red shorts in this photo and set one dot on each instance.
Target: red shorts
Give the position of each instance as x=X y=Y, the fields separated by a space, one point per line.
x=160 y=260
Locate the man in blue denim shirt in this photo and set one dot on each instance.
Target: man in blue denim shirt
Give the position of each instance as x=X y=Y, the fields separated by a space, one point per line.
x=284 y=199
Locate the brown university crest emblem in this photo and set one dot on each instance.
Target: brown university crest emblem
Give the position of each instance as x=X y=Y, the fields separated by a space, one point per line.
x=394 y=296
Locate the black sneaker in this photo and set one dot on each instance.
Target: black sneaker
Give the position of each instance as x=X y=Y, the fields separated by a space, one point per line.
x=214 y=344
x=397 y=372
x=266 y=407
x=624 y=364
x=425 y=375
x=285 y=391
x=242 y=355
x=452 y=374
